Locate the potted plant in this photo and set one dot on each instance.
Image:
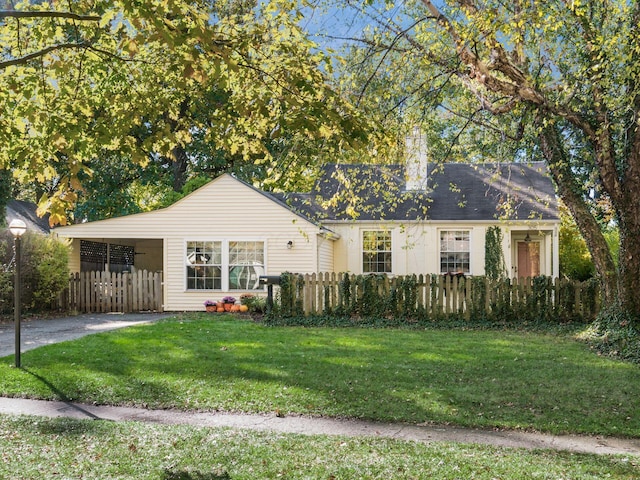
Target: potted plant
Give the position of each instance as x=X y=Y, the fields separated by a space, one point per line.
x=210 y=306
x=228 y=302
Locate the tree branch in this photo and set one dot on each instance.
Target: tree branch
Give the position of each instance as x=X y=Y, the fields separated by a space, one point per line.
x=40 y=53
x=517 y=87
x=48 y=14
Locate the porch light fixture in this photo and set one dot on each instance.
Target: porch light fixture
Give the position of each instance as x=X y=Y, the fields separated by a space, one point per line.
x=17 y=229
x=290 y=244
x=527 y=238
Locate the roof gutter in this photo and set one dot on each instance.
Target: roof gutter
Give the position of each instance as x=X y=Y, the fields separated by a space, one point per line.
x=328 y=234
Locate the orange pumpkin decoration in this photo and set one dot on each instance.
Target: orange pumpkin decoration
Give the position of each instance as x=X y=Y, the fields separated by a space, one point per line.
x=220 y=308
x=235 y=308
x=244 y=308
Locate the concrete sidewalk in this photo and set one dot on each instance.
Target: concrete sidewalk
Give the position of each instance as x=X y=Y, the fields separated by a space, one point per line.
x=325 y=426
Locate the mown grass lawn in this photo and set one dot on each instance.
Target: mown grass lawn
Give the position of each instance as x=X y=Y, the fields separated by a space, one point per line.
x=501 y=379
x=64 y=448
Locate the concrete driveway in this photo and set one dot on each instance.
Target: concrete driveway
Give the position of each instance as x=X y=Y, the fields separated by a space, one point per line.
x=35 y=333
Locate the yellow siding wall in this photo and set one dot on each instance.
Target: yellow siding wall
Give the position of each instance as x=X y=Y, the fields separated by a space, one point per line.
x=325 y=255
x=222 y=209
x=74 y=256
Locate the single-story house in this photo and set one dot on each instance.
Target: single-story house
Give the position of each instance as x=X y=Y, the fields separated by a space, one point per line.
x=394 y=219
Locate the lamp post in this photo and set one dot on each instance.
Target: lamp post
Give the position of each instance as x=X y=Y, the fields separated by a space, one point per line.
x=17 y=229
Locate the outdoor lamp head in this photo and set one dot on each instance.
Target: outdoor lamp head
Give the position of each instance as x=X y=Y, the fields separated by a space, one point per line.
x=17 y=228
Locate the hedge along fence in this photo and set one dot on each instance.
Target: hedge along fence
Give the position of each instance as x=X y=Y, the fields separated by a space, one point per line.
x=434 y=297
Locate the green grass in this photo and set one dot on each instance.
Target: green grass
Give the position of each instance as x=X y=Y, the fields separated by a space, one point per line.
x=65 y=448
x=502 y=379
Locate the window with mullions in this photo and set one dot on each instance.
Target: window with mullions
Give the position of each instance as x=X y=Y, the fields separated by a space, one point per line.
x=454 y=251
x=376 y=252
x=204 y=265
x=246 y=264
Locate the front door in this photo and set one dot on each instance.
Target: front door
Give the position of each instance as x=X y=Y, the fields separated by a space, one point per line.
x=528 y=259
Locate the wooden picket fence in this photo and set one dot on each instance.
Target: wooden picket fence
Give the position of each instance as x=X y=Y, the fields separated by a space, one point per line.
x=437 y=296
x=96 y=291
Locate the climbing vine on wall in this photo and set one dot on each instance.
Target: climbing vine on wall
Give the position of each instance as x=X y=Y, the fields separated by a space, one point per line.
x=494 y=265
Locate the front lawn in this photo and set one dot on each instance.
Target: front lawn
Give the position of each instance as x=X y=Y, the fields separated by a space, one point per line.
x=502 y=379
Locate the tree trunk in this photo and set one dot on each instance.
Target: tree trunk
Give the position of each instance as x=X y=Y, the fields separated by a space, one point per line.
x=571 y=194
x=628 y=214
x=179 y=167
x=630 y=271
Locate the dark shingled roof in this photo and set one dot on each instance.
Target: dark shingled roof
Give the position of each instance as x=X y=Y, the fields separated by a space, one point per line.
x=455 y=191
x=26 y=211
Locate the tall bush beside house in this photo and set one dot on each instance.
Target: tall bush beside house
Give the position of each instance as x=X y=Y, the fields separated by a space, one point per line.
x=494 y=264
x=44 y=271
x=51 y=271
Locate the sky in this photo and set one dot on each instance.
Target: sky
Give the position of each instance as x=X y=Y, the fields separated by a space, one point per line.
x=332 y=27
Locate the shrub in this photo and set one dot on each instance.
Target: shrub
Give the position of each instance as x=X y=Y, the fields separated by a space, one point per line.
x=426 y=298
x=254 y=303
x=44 y=271
x=614 y=334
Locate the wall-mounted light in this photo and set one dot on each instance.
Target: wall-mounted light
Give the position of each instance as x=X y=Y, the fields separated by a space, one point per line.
x=527 y=238
x=290 y=244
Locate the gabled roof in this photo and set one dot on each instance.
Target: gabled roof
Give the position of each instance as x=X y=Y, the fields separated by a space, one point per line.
x=455 y=191
x=189 y=210
x=26 y=211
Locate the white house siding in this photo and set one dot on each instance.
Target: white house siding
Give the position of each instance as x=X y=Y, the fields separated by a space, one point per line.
x=325 y=254
x=416 y=245
x=224 y=209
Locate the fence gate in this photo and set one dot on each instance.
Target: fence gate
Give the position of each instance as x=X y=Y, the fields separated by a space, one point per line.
x=97 y=291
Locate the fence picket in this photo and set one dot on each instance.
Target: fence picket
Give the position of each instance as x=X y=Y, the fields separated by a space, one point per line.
x=431 y=296
x=91 y=292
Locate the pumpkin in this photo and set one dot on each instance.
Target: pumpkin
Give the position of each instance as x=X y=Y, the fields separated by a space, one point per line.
x=235 y=308
x=221 y=308
x=244 y=308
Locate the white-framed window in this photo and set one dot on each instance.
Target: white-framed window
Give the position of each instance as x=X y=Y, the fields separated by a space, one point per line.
x=224 y=264
x=246 y=264
x=204 y=265
x=455 y=251
x=376 y=251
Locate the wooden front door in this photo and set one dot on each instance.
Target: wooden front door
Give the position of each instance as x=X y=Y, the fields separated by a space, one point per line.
x=528 y=259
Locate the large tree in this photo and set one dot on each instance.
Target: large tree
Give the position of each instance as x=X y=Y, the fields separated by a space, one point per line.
x=556 y=80
x=83 y=77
